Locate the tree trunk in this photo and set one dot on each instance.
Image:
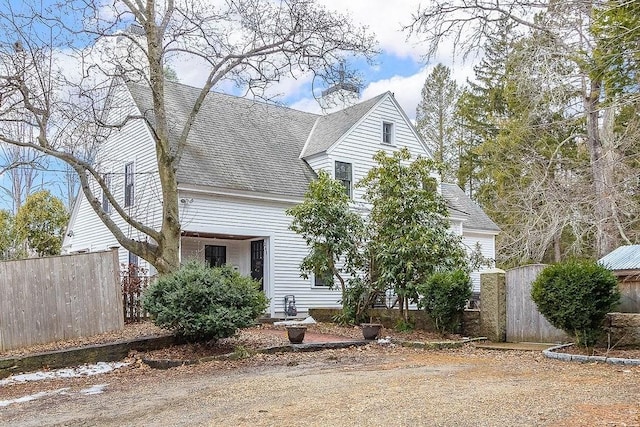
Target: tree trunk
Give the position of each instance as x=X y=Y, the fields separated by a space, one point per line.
x=606 y=235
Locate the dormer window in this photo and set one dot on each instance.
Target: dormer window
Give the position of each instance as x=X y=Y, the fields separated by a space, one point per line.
x=343 y=174
x=387 y=133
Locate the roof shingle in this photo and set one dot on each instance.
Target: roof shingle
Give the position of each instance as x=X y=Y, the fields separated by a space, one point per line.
x=240 y=144
x=458 y=202
x=237 y=143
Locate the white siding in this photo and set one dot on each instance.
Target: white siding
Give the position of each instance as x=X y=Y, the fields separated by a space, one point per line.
x=360 y=145
x=132 y=143
x=284 y=248
x=487 y=248
x=237 y=251
x=319 y=162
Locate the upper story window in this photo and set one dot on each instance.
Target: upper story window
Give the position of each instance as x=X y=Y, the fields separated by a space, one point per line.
x=387 y=132
x=343 y=174
x=106 y=206
x=129 y=181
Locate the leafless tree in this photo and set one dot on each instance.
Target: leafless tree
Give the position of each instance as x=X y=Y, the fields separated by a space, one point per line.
x=21 y=168
x=251 y=43
x=567 y=23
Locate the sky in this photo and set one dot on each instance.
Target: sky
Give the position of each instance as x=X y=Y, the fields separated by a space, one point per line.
x=400 y=68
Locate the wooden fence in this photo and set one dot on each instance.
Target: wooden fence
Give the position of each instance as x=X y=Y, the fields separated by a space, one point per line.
x=629 y=294
x=524 y=321
x=57 y=298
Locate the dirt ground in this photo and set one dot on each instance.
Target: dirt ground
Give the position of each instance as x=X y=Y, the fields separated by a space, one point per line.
x=367 y=386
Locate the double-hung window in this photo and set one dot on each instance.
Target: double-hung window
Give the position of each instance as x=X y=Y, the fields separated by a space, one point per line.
x=387 y=132
x=106 y=206
x=129 y=182
x=344 y=175
x=319 y=282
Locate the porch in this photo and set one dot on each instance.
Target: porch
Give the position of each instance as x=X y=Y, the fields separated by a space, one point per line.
x=246 y=254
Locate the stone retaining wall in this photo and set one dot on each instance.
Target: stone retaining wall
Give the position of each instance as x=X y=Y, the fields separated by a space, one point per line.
x=391 y=317
x=623 y=329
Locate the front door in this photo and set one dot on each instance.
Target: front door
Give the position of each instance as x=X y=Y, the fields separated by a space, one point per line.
x=257 y=261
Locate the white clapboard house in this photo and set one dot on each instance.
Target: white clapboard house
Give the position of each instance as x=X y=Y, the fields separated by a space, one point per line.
x=245 y=163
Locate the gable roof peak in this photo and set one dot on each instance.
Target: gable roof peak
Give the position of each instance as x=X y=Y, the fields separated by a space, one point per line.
x=331 y=127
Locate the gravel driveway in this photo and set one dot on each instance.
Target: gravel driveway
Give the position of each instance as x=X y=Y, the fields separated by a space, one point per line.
x=369 y=386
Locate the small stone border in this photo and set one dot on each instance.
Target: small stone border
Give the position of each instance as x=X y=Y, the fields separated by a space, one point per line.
x=436 y=345
x=439 y=345
x=288 y=348
x=552 y=354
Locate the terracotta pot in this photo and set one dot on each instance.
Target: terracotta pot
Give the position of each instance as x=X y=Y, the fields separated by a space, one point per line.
x=371 y=331
x=296 y=334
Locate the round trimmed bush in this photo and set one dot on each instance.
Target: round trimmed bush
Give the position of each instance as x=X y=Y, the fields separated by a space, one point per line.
x=575 y=296
x=443 y=296
x=201 y=303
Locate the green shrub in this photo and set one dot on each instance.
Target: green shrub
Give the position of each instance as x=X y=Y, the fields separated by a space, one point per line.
x=404 y=326
x=443 y=296
x=575 y=296
x=357 y=298
x=204 y=304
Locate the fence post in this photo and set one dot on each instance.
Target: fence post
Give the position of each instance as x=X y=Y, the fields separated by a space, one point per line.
x=493 y=305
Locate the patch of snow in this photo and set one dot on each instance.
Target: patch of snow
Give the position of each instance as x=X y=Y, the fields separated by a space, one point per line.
x=96 y=389
x=308 y=321
x=79 y=371
x=31 y=397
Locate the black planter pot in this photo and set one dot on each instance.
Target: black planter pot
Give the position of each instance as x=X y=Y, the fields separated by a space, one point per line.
x=296 y=334
x=371 y=331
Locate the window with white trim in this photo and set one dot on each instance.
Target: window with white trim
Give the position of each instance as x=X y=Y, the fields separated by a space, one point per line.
x=319 y=282
x=343 y=173
x=106 y=206
x=129 y=182
x=387 y=133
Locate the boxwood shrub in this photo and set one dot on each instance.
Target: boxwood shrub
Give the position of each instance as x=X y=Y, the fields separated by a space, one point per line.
x=575 y=296
x=443 y=296
x=201 y=303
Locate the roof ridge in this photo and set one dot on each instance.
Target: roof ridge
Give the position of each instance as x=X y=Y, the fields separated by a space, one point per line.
x=231 y=96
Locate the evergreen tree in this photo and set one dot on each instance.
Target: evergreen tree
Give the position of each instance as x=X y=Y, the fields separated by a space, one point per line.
x=481 y=107
x=435 y=120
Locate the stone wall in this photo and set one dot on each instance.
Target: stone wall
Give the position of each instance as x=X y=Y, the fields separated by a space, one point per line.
x=391 y=317
x=623 y=329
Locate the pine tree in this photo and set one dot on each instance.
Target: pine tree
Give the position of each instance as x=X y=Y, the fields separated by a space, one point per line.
x=435 y=119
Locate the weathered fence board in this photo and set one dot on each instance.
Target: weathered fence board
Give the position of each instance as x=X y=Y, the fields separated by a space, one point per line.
x=49 y=299
x=524 y=321
x=630 y=296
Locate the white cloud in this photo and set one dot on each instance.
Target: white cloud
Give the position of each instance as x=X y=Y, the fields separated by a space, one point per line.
x=384 y=18
x=406 y=90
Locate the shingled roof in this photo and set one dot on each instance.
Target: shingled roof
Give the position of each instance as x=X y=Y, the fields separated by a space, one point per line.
x=240 y=144
x=236 y=143
x=330 y=128
x=458 y=202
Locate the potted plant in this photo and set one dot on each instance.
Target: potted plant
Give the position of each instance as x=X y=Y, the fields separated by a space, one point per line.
x=371 y=331
x=296 y=333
